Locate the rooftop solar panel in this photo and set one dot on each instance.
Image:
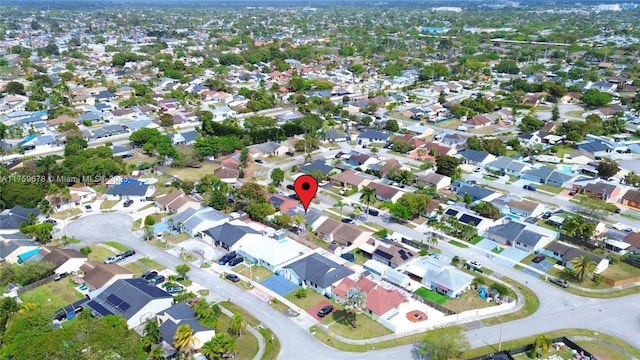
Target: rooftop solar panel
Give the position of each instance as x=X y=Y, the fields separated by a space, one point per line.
x=101 y=310
x=383 y=254
x=124 y=306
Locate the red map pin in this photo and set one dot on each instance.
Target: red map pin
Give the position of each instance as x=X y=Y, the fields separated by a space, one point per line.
x=306 y=187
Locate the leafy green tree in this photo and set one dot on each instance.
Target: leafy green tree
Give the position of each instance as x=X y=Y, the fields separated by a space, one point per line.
x=392 y=125
x=582 y=266
x=595 y=97
x=355 y=303
x=475 y=143
x=14 y=87
x=632 y=179
x=284 y=220
x=508 y=67
x=433 y=71
x=607 y=168
x=152 y=335
x=237 y=325
x=555 y=113
x=183 y=269
x=530 y=124
x=277 y=176
x=402 y=147
x=45 y=208
x=542 y=345
x=259 y=210
x=487 y=210
x=446 y=165
x=444 y=343
x=576 y=226
x=219 y=347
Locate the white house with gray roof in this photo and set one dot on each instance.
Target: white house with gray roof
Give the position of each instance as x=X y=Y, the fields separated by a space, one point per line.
x=231 y=235
x=267 y=149
x=193 y=221
x=317 y=272
x=440 y=276
x=521 y=235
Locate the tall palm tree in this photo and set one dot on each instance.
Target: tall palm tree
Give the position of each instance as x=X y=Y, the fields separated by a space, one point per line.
x=582 y=266
x=236 y=325
x=367 y=195
x=299 y=220
x=45 y=208
x=152 y=335
x=184 y=340
x=356 y=301
x=340 y=204
x=3 y=134
x=542 y=344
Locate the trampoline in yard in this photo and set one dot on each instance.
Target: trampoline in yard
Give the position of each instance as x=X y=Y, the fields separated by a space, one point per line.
x=279 y=285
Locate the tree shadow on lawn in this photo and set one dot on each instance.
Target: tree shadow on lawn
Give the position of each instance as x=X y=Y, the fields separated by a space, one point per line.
x=342 y=317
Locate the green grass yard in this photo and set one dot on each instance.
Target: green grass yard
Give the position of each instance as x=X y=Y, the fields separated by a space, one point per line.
x=108 y=204
x=116 y=245
x=99 y=253
x=53 y=295
x=152 y=264
x=136 y=269
x=311 y=300
x=432 y=295
x=191 y=174
x=366 y=327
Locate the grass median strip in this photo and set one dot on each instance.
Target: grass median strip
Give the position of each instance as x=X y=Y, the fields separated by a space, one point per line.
x=116 y=245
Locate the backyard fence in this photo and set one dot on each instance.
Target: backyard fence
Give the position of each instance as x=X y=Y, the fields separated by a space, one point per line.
x=615 y=283
x=34 y=285
x=434 y=305
x=527 y=348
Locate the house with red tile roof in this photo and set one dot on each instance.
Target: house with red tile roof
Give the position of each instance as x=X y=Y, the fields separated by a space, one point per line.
x=381 y=302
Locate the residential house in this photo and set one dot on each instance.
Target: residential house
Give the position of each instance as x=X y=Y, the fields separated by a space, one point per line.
x=478 y=121
x=431 y=178
x=388 y=252
x=468 y=217
x=349 y=177
x=14 y=251
x=313 y=217
x=194 y=221
x=420 y=131
x=361 y=160
x=631 y=198
x=130 y=189
x=571 y=98
x=453 y=139
x=226 y=174
x=319 y=165
x=134 y=299
x=381 y=302
x=437 y=148
x=222 y=113
x=176 y=202
x=10 y=219
x=599 y=189
x=388 y=165
x=547 y=175
x=98 y=275
x=62 y=119
x=522 y=207
x=386 y=192
x=273 y=252
x=440 y=276
x=290 y=116
x=333 y=135
x=373 y=136
x=565 y=253
x=595 y=147
x=580 y=156
x=182 y=314
x=380 y=271
x=633 y=239
x=342 y=235
x=473 y=157
x=282 y=203
x=317 y=272
x=267 y=149
x=230 y=236
x=520 y=235
x=35 y=142
x=476 y=192
x=65 y=260
x=509 y=166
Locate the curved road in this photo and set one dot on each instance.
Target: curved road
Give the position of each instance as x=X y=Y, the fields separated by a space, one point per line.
x=558 y=309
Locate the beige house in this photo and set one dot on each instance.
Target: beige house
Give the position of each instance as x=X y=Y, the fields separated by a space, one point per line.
x=181 y=314
x=176 y=201
x=65 y=260
x=97 y=275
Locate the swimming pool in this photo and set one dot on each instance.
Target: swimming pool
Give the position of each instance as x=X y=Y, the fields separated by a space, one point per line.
x=567 y=169
x=515 y=217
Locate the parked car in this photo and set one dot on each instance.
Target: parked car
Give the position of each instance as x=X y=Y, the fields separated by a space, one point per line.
x=51 y=221
x=529 y=187
x=290 y=153
x=259 y=161
x=128 y=203
x=127 y=253
x=538 y=259
x=346 y=220
x=88 y=208
x=60 y=276
x=149 y=275
x=113 y=259
x=236 y=260
x=560 y=282
x=226 y=258
x=573 y=192
x=290 y=187
x=340 y=153
x=157 y=280
x=374 y=212
x=547 y=215
x=174 y=289
x=325 y=311
x=618 y=210
x=475 y=264
x=233 y=277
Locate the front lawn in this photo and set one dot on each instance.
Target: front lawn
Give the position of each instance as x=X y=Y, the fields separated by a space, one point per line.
x=64 y=214
x=367 y=328
x=108 y=204
x=116 y=245
x=432 y=295
x=312 y=299
x=54 y=295
x=152 y=264
x=620 y=271
x=136 y=269
x=548 y=188
x=99 y=253
x=178 y=238
x=247 y=345
x=458 y=244
x=191 y=174
x=256 y=273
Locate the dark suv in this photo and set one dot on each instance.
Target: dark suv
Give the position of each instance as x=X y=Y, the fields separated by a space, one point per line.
x=226 y=258
x=127 y=253
x=325 y=311
x=128 y=203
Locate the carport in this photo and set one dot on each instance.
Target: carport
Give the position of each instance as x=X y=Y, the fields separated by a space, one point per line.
x=279 y=285
x=513 y=254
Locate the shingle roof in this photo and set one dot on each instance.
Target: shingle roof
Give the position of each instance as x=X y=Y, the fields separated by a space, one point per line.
x=96 y=274
x=59 y=256
x=229 y=234
x=318 y=165
x=529 y=238
x=319 y=270
x=453 y=279
x=632 y=195
x=11 y=218
x=541 y=172
x=510 y=231
x=126 y=297
x=132 y=188
x=8 y=247
x=569 y=252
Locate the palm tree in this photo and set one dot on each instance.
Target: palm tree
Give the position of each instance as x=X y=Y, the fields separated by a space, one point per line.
x=582 y=266
x=299 y=220
x=206 y=313
x=184 y=340
x=219 y=346
x=3 y=134
x=45 y=208
x=27 y=307
x=236 y=325
x=367 y=196
x=432 y=239
x=156 y=353
x=542 y=345
x=152 y=335
x=340 y=204
x=355 y=302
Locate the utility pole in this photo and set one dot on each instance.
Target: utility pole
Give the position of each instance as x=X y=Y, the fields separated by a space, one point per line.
x=500 y=338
